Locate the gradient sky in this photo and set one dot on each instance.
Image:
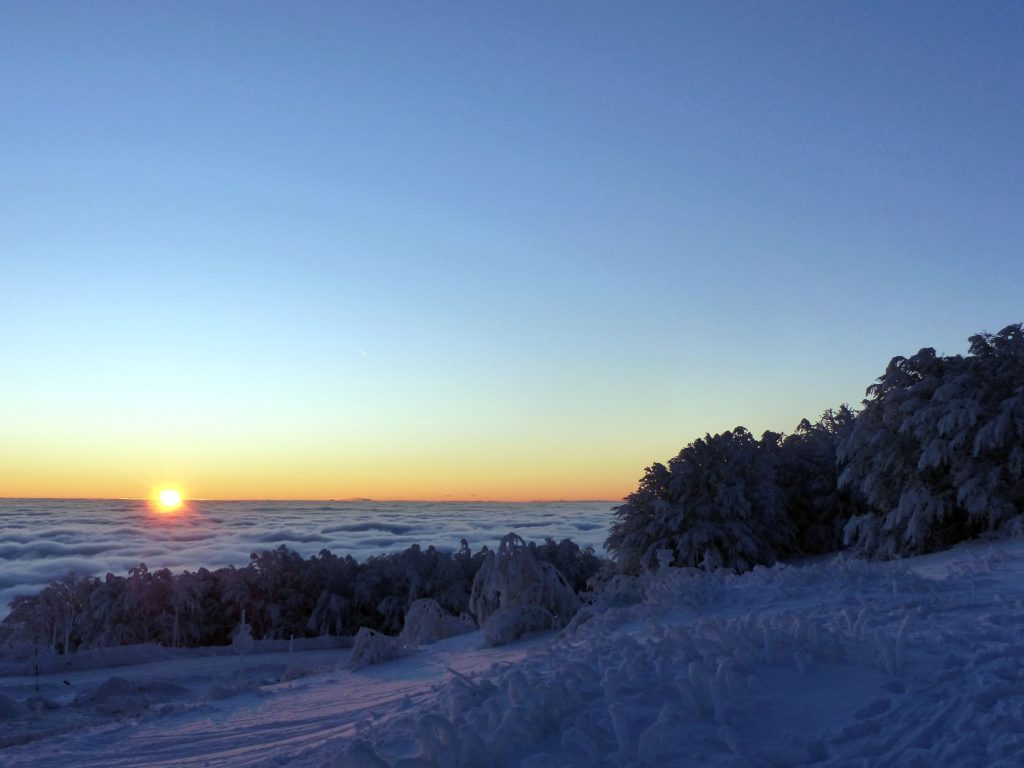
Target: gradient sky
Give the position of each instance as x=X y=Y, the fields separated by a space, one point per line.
x=481 y=250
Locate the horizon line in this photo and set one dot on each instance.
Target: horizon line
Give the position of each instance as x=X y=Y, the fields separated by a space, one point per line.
x=337 y=500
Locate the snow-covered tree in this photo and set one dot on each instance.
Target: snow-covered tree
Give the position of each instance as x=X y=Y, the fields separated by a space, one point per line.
x=194 y=605
x=514 y=593
x=281 y=581
x=146 y=602
x=808 y=476
x=108 y=617
x=55 y=617
x=426 y=622
x=242 y=641
x=328 y=617
x=938 y=451
x=717 y=504
x=372 y=647
x=576 y=564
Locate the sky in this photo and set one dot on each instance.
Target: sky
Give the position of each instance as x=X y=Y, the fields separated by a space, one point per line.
x=481 y=250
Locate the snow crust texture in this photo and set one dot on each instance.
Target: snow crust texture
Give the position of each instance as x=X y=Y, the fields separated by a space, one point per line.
x=838 y=664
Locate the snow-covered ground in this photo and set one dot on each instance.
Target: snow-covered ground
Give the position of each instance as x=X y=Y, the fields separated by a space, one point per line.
x=829 y=663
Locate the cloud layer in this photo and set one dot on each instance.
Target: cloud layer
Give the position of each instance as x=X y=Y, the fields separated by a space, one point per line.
x=41 y=540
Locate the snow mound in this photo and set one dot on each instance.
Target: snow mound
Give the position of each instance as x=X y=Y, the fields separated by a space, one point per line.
x=119 y=696
x=93 y=658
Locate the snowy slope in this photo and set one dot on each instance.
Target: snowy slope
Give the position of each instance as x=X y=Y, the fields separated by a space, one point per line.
x=832 y=663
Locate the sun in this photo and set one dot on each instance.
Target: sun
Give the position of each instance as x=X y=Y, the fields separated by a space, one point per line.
x=169 y=499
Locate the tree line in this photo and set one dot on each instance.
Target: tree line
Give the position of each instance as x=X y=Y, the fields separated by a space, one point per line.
x=934 y=457
x=282 y=595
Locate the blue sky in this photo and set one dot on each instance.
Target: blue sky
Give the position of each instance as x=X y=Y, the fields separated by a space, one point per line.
x=482 y=250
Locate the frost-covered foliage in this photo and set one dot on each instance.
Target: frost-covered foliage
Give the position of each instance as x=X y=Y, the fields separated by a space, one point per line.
x=938 y=451
x=514 y=592
x=426 y=622
x=371 y=647
x=242 y=641
x=808 y=477
x=281 y=594
x=576 y=564
x=717 y=504
x=935 y=457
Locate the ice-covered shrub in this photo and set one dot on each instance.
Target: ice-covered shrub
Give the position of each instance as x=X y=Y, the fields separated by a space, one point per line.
x=371 y=647
x=938 y=451
x=717 y=504
x=426 y=622
x=514 y=593
x=242 y=642
x=507 y=625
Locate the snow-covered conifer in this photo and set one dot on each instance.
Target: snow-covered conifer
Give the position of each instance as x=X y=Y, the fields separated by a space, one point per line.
x=938 y=451
x=717 y=504
x=808 y=477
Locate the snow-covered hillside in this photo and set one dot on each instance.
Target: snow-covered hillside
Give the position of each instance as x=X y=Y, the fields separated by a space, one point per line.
x=836 y=662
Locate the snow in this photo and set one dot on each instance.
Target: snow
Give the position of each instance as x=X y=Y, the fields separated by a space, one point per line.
x=828 y=662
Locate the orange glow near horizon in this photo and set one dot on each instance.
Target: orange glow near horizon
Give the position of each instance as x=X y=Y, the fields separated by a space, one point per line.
x=239 y=490
x=515 y=472
x=241 y=487
x=366 y=445
x=427 y=481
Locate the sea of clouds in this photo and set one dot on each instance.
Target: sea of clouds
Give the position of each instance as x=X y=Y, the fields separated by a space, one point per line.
x=41 y=540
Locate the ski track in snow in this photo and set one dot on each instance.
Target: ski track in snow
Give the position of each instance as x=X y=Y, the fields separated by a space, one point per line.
x=238 y=712
x=828 y=663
